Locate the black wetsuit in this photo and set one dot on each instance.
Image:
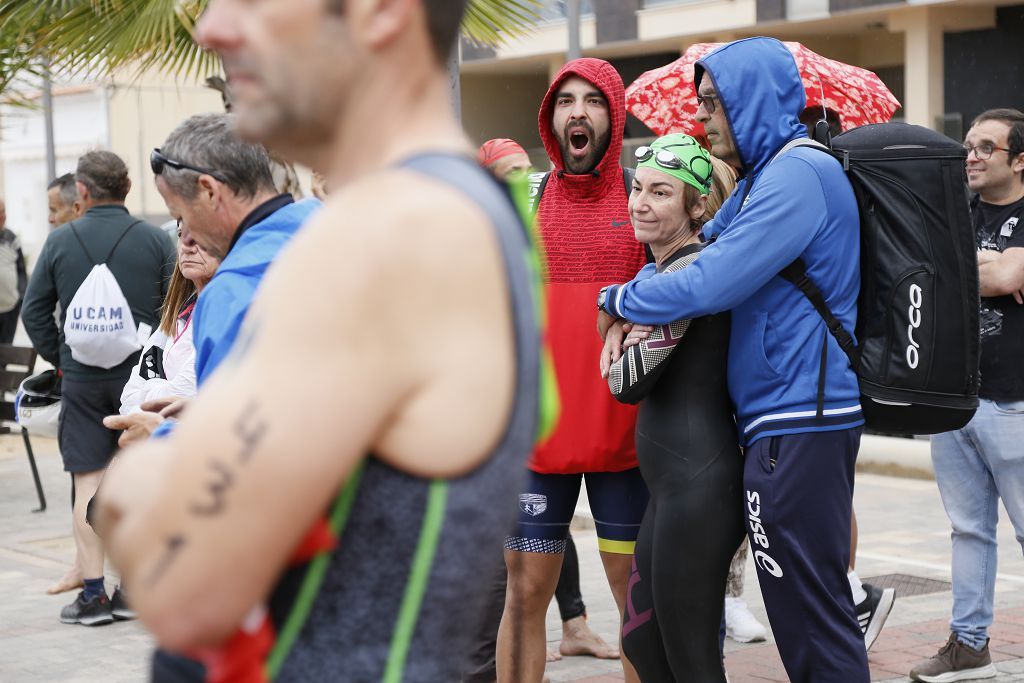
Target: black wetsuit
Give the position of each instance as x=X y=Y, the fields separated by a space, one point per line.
x=689 y=456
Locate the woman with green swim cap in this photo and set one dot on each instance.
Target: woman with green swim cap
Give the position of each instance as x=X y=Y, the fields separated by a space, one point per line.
x=686 y=439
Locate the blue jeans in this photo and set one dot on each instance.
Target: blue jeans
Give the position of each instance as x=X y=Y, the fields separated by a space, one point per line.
x=974 y=468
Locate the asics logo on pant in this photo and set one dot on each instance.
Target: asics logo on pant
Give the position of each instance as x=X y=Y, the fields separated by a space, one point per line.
x=758 y=536
x=914 y=314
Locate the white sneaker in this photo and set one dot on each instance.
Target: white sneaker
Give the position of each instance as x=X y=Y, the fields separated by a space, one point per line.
x=740 y=624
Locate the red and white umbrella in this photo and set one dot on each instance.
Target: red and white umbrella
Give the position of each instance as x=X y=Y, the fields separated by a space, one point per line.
x=666 y=101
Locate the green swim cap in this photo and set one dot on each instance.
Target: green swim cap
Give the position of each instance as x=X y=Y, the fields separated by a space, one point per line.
x=680 y=156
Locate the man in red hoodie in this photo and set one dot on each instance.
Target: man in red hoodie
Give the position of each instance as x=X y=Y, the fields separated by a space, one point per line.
x=588 y=238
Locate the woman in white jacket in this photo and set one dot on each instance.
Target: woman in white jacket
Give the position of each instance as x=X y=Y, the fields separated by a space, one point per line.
x=166 y=368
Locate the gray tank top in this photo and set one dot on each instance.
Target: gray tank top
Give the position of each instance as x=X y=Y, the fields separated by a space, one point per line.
x=401 y=594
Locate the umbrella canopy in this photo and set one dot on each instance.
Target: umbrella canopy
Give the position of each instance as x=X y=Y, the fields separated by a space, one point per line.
x=666 y=101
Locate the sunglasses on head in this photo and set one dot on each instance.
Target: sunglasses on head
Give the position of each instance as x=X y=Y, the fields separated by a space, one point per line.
x=699 y=167
x=157 y=161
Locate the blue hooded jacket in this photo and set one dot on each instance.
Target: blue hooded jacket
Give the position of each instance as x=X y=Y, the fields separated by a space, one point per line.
x=224 y=302
x=799 y=205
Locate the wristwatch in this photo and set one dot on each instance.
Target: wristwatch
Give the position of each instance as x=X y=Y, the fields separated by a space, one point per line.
x=602 y=299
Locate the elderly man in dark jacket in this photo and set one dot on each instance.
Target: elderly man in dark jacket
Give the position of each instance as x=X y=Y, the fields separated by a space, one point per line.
x=141 y=258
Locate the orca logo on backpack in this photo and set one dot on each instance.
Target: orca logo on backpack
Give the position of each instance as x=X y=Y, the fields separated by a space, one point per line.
x=914 y=314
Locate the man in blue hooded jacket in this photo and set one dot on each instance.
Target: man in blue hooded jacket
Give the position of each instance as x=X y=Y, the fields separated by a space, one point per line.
x=221 y=191
x=796 y=397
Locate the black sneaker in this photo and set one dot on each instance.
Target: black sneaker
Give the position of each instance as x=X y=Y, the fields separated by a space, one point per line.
x=93 y=612
x=119 y=605
x=873 y=611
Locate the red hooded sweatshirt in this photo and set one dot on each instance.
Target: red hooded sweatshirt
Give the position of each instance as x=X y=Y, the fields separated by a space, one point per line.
x=589 y=243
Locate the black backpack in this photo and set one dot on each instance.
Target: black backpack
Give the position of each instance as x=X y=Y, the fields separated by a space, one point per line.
x=917 y=312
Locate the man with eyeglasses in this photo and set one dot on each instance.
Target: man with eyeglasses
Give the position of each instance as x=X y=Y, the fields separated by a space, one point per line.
x=797 y=400
x=225 y=199
x=141 y=258
x=983 y=463
x=225 y=194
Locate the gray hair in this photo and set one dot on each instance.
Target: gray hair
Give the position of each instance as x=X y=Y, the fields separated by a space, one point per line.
x=104 y=174
x=66 y=189
x=209 y=141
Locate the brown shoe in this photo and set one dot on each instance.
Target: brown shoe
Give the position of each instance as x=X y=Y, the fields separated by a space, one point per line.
x=955 y=662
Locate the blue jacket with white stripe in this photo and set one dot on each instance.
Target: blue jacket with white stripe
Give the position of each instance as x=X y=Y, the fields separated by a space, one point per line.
x=799 y=205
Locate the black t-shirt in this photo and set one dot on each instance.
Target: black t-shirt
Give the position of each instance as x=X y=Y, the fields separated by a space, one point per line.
x=1002 y=318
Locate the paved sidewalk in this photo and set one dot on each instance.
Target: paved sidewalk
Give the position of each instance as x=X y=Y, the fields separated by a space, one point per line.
x=903 y=531
x=35 y=550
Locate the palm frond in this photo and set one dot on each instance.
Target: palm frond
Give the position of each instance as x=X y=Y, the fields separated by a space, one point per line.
x=19 y=72
x=19 y=60
x=144 y=34
x=490 y=22
x=105 y=36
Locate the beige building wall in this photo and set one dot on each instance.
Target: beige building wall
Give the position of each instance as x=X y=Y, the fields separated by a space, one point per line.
x=908 y=37
x=548 y=37
x=142 y=112
x=924 y=28
x=881 y=48
x=80 y=124
x=671 y=21
x=505 y=103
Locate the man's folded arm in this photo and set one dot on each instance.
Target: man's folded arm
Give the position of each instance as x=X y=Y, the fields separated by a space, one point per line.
x=770 y=233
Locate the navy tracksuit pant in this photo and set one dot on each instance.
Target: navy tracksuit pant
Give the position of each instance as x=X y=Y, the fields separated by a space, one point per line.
x=798 y=497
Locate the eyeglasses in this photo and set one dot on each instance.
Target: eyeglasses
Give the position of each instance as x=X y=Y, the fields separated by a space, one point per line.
x=699 y=167
x=983 y=151
x=708 y=101
x=157 y=161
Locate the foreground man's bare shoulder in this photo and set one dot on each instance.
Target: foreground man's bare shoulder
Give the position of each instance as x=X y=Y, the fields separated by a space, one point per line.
x=444 y=286
x=393 y=214
x=397 y=228
x=398 y=284
x=412 y=208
